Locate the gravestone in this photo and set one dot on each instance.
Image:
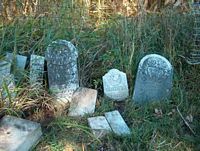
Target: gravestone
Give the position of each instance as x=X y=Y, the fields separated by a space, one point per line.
x=19 y=63
x=117 y=123
x=7 y=84
x=99 y=126
x=83 y=102
x=36 y=70
x=115 y=85
x=153 y=80
x=61 y=57
x=5 y=68
x=17 y=134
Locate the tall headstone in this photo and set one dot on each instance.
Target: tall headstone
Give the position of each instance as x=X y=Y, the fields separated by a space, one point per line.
x=154 y=79
x=115 y=85
x=17 y=134
x=61 y=57
x=36 y=70
x=19 y=63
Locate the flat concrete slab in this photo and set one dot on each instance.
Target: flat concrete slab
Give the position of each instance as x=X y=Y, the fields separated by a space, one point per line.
x=17 y=134
x=99 y=126
x=117 y=123
x=83 y=102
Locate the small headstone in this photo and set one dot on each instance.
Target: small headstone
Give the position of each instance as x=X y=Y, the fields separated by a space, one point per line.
x=19 y=63
x=117 y=123
x=61 y=57
x=99 y=126
x=154 y=79
x=7 y=84
x=83 y=102
x=5 y=68
x=18 y=134
x=115 y=85
x=36 y=70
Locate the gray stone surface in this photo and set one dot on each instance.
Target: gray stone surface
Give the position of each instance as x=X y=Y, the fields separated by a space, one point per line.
x=61 y=56
x=99 y=126
x=115 y=85
x=18 y=134
x=117 y=123
x=19 y=63
x=83 y=102
x=7 y=83
x=154 y=79
x=36 y=70
x=5 y=68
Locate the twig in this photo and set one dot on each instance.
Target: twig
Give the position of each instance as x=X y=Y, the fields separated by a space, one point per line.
x=186 y=123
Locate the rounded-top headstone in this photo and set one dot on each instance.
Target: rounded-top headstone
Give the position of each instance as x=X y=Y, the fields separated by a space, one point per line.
x=153 y=80
x=115 y=85
x=61 y=57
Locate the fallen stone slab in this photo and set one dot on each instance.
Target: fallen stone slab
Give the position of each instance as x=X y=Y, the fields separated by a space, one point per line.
x=117 y=123
x=99 y=126
x=83 y=102
x=17 y=134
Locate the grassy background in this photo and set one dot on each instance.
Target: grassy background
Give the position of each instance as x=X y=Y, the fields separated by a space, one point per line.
x=116 y=42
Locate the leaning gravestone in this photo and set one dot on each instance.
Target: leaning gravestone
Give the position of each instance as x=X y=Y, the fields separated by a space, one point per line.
x=19 y=63
x=115 y=85
x=18 y=134
x=36 y=70
x=154 y=79
x=61 y=57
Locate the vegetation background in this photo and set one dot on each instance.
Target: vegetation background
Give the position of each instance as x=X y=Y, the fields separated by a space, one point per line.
x=108 y=34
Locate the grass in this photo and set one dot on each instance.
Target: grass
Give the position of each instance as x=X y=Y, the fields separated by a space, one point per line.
x=118 y=42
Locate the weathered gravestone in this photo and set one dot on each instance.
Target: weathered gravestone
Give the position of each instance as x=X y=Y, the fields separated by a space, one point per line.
x=83 y=102
x=117 y=123
x=18 y=62
x=61 y=57
x=7 y=85
x=115 y=85
x=99 y=126
x=18 y=134
x=36 y=70
x=154 y=79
